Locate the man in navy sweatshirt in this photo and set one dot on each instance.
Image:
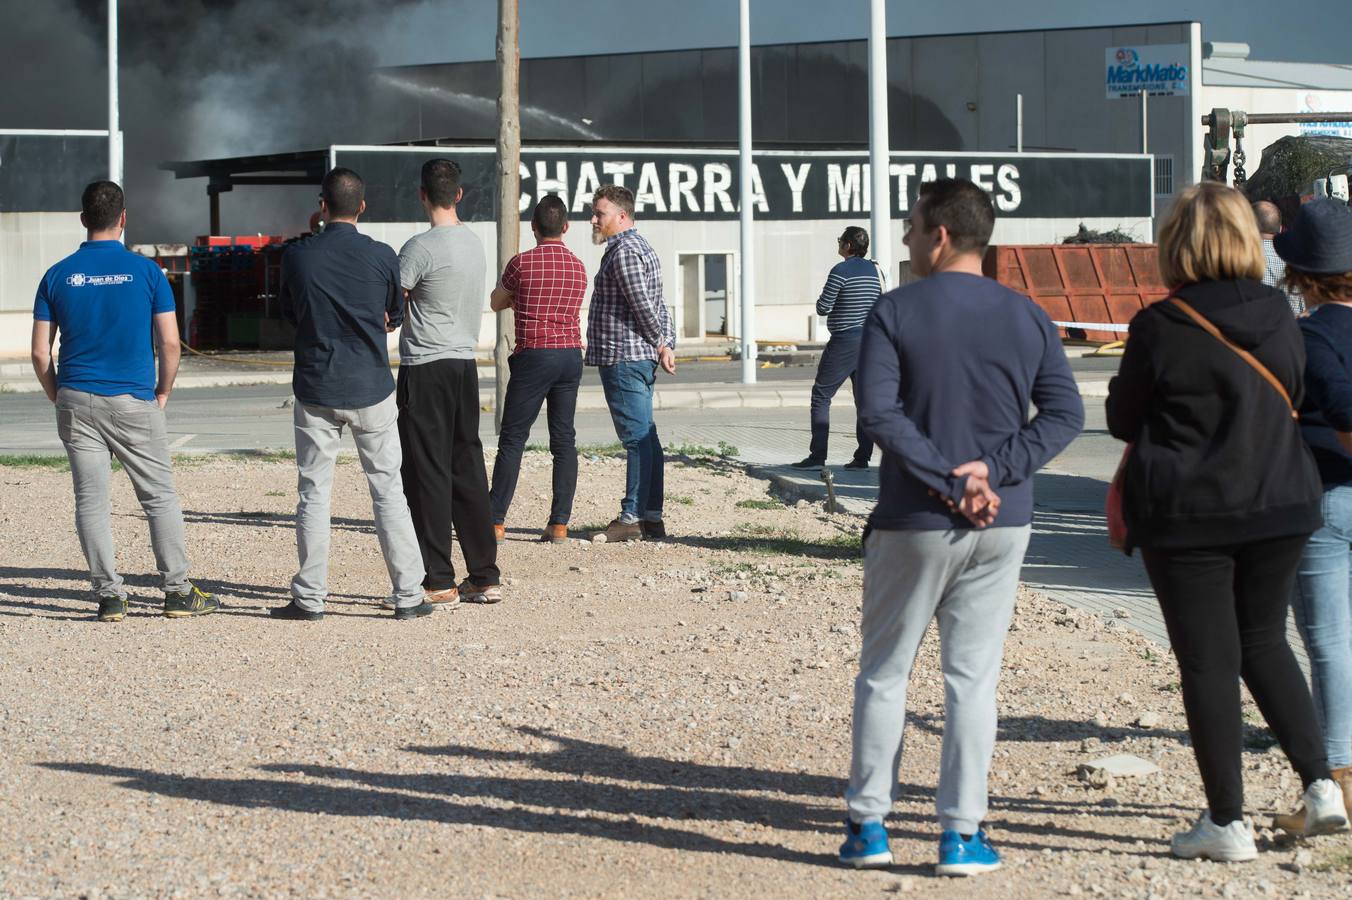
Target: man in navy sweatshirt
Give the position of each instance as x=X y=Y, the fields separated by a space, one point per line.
x=948 y=369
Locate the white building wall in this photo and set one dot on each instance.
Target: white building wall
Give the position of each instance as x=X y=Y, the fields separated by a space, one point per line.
x=30 y=243
x=794 y=258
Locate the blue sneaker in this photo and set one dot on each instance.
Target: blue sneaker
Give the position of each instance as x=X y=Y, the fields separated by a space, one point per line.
x=959 y=857
x=865 y=845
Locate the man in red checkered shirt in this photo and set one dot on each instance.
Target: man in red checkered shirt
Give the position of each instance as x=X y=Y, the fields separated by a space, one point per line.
x=544 y=287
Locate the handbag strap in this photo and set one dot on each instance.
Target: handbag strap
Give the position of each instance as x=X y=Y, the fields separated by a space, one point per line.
x=1243 y=354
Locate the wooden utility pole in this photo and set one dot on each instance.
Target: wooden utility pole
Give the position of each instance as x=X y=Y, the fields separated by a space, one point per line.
x=509 y=181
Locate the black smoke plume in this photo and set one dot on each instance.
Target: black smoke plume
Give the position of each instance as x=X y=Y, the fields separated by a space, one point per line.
x=200 y=79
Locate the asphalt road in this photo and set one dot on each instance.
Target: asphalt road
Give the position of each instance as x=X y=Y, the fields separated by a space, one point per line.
x=259 y=416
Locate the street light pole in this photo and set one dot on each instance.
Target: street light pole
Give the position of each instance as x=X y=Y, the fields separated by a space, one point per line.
x=879 y=148
x=747 y=290
x=114 y=116
x=509 y=184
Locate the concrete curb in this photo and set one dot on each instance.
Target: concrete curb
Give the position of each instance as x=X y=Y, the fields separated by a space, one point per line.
x=856 y=491
x=589 y=398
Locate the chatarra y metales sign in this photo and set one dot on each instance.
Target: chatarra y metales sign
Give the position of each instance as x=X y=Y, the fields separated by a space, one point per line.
x=695 y=184
x=1161 y=70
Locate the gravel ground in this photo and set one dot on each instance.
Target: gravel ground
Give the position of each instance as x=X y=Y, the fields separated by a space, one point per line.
x=642 y=720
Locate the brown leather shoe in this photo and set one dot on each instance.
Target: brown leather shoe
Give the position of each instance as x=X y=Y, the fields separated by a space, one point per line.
x=448 y=596
x=617 y=532
x=555 y=534
x=500 y=533
x=654 y=531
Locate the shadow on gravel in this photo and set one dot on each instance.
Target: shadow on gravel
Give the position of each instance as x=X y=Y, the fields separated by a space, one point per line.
x=776 y=544
x=261 y=519
x=145 y=594
x=1038 y=728
x=656 y=788
x=581 y=758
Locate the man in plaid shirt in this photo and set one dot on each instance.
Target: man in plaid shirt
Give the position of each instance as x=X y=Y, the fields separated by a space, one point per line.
x=544 y=287
x=629 y=334
x=1269 y=218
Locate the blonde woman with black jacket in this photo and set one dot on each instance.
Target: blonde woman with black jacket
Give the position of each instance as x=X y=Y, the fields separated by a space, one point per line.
x=1220 y=496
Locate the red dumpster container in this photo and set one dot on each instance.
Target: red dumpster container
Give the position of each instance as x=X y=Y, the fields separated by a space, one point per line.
x=1096 y=284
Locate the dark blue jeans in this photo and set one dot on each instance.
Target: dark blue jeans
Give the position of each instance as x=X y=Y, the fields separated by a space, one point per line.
x=628 y=387
x=537 y=376
x=839 y=360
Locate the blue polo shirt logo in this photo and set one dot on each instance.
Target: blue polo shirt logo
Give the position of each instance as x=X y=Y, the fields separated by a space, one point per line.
x=79 y=279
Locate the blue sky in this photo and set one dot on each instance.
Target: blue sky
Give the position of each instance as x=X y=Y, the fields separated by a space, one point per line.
x=455 y=30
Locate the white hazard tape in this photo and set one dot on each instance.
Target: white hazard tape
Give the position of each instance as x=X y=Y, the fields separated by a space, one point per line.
x=1093 y=326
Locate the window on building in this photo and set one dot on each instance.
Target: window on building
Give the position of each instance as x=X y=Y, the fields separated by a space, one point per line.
x=1164 y=176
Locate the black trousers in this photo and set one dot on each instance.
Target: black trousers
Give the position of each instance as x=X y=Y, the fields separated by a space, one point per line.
x=539 y=375
x=1225 y=608
x=444 y=476
x=839 y=361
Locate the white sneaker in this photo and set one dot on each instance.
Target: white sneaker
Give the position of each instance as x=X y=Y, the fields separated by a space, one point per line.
x=1324 y=810
x=1206 y=840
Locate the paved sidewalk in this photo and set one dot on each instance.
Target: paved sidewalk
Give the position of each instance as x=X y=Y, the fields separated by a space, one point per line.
x=787 y=390
x=1069 y=558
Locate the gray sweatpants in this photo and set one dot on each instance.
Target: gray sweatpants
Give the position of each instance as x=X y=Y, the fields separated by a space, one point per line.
x=968 y=580
x=91 y=427
x=376 y=433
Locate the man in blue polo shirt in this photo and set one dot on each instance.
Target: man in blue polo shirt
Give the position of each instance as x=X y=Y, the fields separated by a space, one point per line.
x=106 y=302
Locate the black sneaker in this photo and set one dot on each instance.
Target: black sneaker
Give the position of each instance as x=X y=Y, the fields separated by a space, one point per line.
x=294 y=613
x=192 y=602
x=112 y=608
x=415 y=612
x=654 y=531
x=809 y=462
x=857 y=464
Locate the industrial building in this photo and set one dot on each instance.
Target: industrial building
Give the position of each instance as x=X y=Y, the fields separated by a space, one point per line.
x=1052 y=121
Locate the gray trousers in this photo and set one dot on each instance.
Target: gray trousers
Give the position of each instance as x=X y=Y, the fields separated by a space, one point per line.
x=968 y=580
x=375 y=430
x=91 y=427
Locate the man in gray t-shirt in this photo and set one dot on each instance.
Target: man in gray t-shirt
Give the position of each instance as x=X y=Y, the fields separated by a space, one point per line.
x=442 y=271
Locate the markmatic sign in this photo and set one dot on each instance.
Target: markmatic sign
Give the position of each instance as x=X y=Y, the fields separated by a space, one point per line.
x=701 y=185
x=1161 y=70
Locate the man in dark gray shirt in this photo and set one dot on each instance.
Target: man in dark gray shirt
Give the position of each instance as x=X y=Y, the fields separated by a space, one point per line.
x=341 y=290
x=442 y=270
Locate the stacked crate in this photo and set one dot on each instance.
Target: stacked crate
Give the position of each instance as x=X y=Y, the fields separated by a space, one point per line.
x=230 y=280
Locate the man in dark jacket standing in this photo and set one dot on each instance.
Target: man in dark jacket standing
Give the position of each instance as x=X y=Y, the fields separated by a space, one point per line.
x=947 y=401
x=341 y=290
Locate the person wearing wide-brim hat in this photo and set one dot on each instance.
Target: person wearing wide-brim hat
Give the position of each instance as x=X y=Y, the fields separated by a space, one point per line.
x=1317 y=250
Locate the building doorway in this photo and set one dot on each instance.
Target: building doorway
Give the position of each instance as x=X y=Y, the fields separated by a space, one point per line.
x=705 y=295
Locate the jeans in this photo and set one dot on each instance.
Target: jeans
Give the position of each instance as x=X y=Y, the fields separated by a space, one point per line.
x=1323 y=606
x=538 y=375
x=374 y=430
x=967 y=580
x=444 y=476
x=628 y=386
x=92 y=426
x=1225 y=610
x=839 y=361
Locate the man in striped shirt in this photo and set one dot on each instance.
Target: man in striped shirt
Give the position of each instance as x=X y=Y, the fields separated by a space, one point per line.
x=851 y=289
x=544 y=287
x=629 y=334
